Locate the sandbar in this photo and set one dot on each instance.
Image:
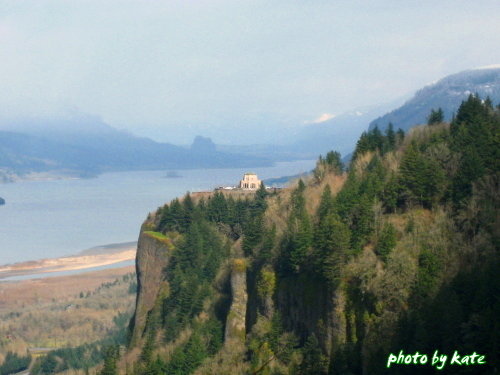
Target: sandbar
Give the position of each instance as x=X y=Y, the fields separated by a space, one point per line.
x=91 y=258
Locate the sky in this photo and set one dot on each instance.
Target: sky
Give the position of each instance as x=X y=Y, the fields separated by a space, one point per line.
x=230 y=69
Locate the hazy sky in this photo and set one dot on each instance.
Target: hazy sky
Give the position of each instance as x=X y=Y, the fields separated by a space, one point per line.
x=171 y=69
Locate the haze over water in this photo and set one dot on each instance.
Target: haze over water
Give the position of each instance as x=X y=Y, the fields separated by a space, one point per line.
x=48 y=219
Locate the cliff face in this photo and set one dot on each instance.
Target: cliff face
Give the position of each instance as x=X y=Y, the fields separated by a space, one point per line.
x=235 y=322
x=153 y=255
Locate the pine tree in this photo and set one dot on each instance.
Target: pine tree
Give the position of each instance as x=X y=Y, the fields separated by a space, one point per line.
x=390 y=195
x=362 y=146
x=377 y=139
x=110 y=359
x=475 y=136
x=314 y=361
x=362 y=218
x=390 y=137
x=188 y=211
x=334 y=162
x=332 y=246
x=422 y=179
x=301 y=241
x=268 y=243
x=435 y=117
x=386 y=241
x=326 y=204
x=217 y=208
x=299 y=235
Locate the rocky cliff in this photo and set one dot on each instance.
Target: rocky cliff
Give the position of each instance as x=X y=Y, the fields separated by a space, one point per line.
x=153 y=255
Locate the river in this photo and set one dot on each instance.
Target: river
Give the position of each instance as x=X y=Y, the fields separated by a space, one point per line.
x=49 y=219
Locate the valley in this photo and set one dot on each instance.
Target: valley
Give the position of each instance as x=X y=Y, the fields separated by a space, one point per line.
x=65 y=311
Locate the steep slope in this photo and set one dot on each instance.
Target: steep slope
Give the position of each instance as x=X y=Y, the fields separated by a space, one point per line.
x=400 y=253
x=153 y=255
x=447 y=94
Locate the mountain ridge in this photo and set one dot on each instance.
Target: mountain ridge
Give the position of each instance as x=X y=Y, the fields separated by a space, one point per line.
x=447 y=94
x=63 y=151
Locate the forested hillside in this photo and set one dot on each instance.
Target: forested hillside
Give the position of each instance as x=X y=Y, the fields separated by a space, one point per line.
x=331 y=276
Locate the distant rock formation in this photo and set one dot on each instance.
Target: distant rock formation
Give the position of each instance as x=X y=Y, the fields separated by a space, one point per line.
x=203 y=145
x=2 y=201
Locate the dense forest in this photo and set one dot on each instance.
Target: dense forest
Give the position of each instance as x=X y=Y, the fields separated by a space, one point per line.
x=14 y=363
x=397 y=252
x=394 y=254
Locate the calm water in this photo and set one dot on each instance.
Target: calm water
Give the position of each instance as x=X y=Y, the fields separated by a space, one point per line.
x=46 y=219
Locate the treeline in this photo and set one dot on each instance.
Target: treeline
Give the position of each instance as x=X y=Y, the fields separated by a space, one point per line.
x=14 y=363
x=375 y=140
x=234 y=217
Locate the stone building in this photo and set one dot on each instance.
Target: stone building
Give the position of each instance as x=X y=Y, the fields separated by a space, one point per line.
x=250 y=181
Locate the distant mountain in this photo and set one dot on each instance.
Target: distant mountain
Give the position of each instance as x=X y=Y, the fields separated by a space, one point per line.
x=309 y=141
x=98 y=148
x=339 y=133
x=447 y=94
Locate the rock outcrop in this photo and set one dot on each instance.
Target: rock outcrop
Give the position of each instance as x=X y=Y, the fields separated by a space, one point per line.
x=153 y=255
x=235 y=323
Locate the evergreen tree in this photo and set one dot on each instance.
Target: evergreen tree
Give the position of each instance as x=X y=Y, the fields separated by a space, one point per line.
x=435 y=117
x=362 y=218
x=49 y=365
x=110 y=358
x=217 y=208
x=376 y=139
x=390 y=137
x=475 y=136
x=326 y=204
x=314 y=361
x=421 y=179
x=334 y=162
x=332 y=246
x=268 y=243
x=260 y=196
x=386 y=241
x=390 y=194
x=188 y=211
x=298 y=241
x=362 y=145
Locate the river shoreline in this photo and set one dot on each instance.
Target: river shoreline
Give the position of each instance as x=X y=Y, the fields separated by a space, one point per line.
x=93 y=258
